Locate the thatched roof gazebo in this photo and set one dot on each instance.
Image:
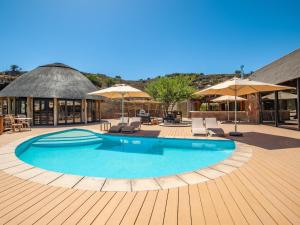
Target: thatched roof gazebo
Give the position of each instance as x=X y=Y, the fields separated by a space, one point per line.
x=52 y=94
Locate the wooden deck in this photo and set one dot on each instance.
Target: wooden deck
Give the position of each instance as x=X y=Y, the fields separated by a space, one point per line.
x=266 y=190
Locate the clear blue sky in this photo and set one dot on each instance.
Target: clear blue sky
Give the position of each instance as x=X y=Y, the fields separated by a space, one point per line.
x=139 y=39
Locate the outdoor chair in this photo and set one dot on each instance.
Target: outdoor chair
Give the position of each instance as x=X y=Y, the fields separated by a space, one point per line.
x=212 y=127
x=13 y=125
x=134 y=125
x=198 y=126
x=117 y=128
x=26 y=123
x=169 y=118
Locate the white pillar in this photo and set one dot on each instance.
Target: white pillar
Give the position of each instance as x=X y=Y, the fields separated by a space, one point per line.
x=55 y=112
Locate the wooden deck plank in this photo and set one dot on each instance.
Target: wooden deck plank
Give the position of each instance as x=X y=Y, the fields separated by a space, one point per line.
x=279 y=184
x=118 y=214
x=269 y=174
x=268 y=192
x=197 y=215
x=134 y=209
x=221 y=209
x=20 y=198
x=279 y=193
x=147 y=208
x=60 y=203
x=184 y=209
x=157 y=217
x=108 y=210
x=209 y=210
x=251 y=209
x=231 y=204
x=268 y=206
x=291 y=177
x=35 y=211
x=97 y=208
x=15 y=209
x=171 y=207
x=83 y=209
x=268 y=185
x=17 y=190
x=69 y=210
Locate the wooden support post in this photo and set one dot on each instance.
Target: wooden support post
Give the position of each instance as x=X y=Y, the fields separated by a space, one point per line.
x=298 y=102
x=276 y=104
x=55 y=112
x=29 y=108
x=8 y=105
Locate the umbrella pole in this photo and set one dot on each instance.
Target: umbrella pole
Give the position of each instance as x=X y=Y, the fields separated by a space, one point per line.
x=228 y=118
x=122 y=108
x=235 y=113
x=235 y=133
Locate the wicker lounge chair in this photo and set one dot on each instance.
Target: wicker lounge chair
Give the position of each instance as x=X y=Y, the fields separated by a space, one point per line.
x=212 y=127
x=198 y=126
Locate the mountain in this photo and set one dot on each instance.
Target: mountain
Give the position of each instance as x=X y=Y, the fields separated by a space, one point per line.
x=199 y=80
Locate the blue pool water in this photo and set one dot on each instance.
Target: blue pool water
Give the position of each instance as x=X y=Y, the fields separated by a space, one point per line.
x=83 y=152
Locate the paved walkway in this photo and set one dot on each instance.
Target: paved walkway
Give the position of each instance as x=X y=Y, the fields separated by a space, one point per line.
x=265 y=190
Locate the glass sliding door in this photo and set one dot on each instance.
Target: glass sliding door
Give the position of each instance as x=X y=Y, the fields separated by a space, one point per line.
x=69 y=111
x=77 y=111
x=93 y=114
x=21 y=106
x=43 y=111
x=61 y=111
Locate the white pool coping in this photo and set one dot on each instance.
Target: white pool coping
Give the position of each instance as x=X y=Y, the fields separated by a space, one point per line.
x=11 y=164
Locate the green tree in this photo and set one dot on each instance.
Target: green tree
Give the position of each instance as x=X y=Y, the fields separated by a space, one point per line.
x=110 y=82
x=170 y=90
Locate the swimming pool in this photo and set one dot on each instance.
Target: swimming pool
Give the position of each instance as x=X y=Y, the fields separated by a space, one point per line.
x=86 y=153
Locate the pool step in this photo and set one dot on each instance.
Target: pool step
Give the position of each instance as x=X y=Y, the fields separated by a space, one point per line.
x=65 y=143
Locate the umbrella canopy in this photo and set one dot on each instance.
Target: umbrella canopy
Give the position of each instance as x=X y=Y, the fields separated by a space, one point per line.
x=236 y=87
x=228 y=98
x=281 y=95
x=119 y=91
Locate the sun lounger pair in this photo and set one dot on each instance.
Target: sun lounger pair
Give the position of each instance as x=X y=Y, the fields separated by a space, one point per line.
x=207 y=127
x=125 y=127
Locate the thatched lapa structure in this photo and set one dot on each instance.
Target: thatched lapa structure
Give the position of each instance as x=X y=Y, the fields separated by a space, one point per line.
x=52 y=94
x=280 y=110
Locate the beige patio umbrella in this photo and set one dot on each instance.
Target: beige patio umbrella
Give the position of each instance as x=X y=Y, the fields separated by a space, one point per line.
x=142 y=101
x=236 y=87
x=281 y=95
x=120 y=91
x=227 y=99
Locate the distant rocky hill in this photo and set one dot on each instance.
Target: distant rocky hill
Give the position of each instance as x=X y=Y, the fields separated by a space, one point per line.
x=199 y=80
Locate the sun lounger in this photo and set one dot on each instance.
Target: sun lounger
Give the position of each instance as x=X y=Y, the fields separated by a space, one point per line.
x=115 y=129
x=212 y=127
x=134 y=126
x=198 y=126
